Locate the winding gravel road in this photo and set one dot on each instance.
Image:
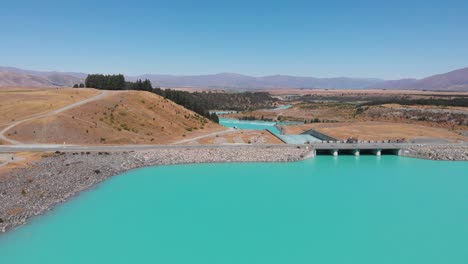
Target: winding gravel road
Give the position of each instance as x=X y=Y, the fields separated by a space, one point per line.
x=57 y=111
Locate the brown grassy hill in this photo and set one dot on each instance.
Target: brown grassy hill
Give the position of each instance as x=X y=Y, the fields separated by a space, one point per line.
x=18 y=103
x=131 y=117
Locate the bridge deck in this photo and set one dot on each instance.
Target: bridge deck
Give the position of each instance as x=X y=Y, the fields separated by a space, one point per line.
x=367 y=146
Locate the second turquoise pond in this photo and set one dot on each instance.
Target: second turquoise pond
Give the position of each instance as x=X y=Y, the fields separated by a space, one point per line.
x=266 y=125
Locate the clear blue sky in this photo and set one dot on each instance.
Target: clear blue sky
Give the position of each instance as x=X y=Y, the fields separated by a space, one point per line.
x=372 y=38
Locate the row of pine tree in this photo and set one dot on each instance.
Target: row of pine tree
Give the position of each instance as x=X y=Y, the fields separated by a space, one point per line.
x=117 y=82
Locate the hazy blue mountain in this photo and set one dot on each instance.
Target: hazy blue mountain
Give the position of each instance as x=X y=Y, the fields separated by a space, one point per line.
x=451 y=81
x=21 y=79
x=455 y=80
x=11 y=76
x=239 y=81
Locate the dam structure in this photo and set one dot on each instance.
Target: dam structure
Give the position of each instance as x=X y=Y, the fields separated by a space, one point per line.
x=321 y=136
x=356 y=149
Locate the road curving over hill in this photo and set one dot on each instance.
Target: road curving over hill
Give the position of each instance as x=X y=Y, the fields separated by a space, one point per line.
x=101 y=95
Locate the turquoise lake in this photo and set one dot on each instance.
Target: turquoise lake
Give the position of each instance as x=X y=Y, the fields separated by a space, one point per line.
x=323 y=210
x=250 y=124
x=266 y=125
x=283 y=107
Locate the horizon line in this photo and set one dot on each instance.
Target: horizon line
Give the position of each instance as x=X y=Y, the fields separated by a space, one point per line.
x=225 y=73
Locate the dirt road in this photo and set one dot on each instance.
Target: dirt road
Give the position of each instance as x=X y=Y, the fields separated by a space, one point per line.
x=58 y=111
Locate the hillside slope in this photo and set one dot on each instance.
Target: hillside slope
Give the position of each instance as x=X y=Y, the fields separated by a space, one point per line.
x=131 y=117
x=17 y=103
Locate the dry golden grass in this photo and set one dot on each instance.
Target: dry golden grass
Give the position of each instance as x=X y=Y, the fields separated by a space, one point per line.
x=388 y=126
x=305 y=111
x=242 y=137
x=425 y=107
x=391 y=113
x=21 y=103
x=376 y=131
x=127 y=117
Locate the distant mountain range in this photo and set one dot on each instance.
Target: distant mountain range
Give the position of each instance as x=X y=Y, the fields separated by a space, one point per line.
x=10 y=76
x=238 y=81
x=452 y=81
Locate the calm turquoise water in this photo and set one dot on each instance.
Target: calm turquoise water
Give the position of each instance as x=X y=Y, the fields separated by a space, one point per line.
x=248 y=124
x=224 y=112
x=283 y=107
x=271 y=126
x=324 y=210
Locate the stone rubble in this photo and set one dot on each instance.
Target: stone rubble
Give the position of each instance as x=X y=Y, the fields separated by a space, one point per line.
x=438 y=152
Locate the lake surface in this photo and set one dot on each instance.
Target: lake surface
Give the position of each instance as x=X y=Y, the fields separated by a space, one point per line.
x=283 y=107
x=267 y=125
x=363 y=210
x=250 y=124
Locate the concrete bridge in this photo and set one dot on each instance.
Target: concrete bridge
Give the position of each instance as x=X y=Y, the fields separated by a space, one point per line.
x=359 y=148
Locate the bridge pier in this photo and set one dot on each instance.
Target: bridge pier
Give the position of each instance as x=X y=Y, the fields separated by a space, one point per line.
x=312 y=153
x=377 y=149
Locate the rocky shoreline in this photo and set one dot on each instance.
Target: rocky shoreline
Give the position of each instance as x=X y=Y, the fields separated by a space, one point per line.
x=26 y=192
x=435 y=152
